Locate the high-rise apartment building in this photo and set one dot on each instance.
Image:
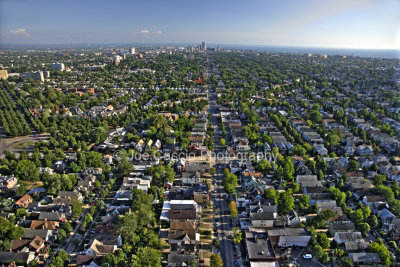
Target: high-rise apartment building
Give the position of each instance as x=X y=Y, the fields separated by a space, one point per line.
x=58 y=66
x=3 y=74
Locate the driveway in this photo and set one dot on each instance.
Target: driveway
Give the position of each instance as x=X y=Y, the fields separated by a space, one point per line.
x=9 y=143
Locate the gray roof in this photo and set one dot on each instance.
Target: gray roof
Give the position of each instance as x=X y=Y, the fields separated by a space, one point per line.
x=50 y=216
x=262 y=216
x=8 y=257
x=70 y=194
x=365 y=257
x=310 y=183
x=288 y=241
x=108 y=239
x=31 y=233
x=175 y=258
x=259 y=248
x=355 y=245
x=287 y=232
x=349 y=235
x=342 y=226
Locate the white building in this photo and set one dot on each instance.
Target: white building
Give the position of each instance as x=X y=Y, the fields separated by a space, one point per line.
x=132 y=50
x=190 y=178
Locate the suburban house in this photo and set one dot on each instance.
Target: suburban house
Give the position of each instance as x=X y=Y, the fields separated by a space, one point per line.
x=24 y=201
x=98 y=248
x=341 y=237
x=263 y=216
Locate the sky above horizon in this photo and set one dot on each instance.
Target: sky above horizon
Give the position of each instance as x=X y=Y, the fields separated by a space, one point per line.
x=365 y=24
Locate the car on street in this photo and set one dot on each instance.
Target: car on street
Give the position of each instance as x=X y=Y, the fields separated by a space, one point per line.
x=307 y=256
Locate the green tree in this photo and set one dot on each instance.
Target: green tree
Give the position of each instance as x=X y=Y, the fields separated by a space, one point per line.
x=320 y=175
x=67 y=227
x=215 y=242
x=27 y=171
x=230 y=183
x=223 y=142
x=299 y=150
x=395 y=205
x=315 y=116
x=270 y=193
x=216 y=260
x=233 y=209
x=338 y=195
x=127 y=228
x=304 y=202
x=364 y=228
x=286 y=202
x=62 y=235
x=20 y=212
x=379 y=179
x=382 y=250
x=373 y=221
x=320 y=254
x=237 y=235
x=345 y=261
x=357 y=216
x=21 y=190
x=124 y=167
x=323 y=240
x=76 y=207
x=213 y=171
x=146 y=256
x=353 y=165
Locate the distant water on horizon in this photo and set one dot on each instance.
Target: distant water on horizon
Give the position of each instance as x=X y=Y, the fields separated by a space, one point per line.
x=375 y=53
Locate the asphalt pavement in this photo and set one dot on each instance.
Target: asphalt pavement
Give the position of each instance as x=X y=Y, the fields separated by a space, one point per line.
x=224 y=225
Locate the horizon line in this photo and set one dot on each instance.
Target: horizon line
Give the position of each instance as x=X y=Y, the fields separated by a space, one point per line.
x=43 y=45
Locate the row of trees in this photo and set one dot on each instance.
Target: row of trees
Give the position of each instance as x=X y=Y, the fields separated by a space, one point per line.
x=13 y=123
x=229 y=182
x=136 y=230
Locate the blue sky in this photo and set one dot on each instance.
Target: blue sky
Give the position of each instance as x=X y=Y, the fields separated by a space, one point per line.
x=310 y=23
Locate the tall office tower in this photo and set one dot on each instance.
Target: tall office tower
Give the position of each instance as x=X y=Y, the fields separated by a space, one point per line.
x=132 y=51
x=203 y=46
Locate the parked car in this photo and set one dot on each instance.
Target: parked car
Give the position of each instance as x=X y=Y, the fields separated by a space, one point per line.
x=307 y=256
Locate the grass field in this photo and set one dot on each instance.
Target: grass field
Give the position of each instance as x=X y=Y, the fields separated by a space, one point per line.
x=22 y=145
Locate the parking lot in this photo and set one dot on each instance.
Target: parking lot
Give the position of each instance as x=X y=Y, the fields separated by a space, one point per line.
x=297 y=257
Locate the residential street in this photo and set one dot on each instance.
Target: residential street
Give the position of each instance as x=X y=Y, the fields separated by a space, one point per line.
x=222 y=218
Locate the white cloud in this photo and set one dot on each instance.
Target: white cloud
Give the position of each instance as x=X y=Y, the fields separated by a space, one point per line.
x=147 y=32
x=20 y=32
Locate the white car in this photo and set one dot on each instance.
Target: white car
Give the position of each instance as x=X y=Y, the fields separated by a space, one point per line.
x=307 y=256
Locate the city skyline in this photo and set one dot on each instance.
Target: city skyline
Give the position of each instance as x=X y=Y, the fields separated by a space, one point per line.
x=371 y=24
